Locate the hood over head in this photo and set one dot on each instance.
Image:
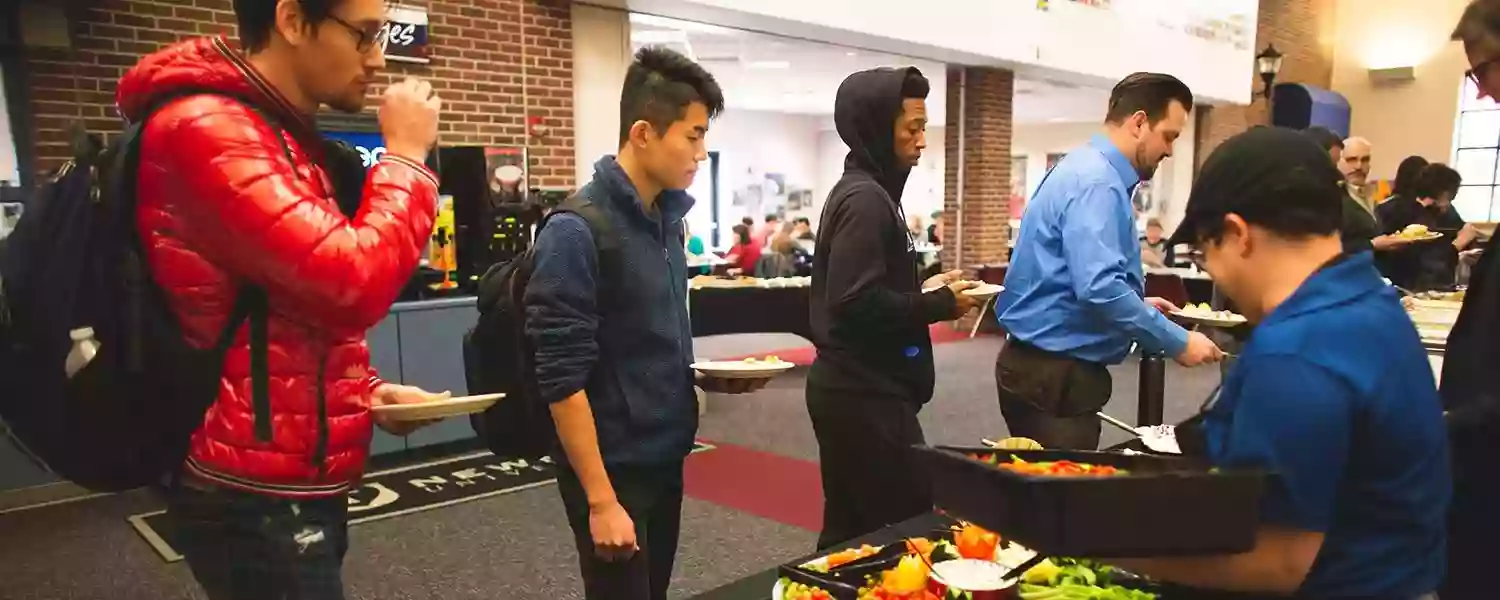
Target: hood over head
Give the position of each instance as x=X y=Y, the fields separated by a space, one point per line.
x=865 y=112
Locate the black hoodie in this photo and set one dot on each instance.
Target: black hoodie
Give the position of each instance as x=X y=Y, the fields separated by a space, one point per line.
x=869 y=317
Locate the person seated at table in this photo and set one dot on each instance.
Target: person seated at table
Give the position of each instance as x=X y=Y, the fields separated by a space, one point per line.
x=695 y=249
x=780 y=262
x=1333 y=393
x=1154 y=248
x=745 y=252
x=802 y=230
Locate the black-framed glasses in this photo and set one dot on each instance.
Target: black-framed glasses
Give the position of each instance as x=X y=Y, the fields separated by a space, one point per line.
x=1474 y=72
x=364 y=39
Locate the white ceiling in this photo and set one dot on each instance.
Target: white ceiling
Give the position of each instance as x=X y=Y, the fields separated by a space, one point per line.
x=772 y=73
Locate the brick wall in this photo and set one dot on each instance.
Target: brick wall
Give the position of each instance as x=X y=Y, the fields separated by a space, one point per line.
x=1303 y=31
x=986 y=118
x=987 y=137
x=477 y=67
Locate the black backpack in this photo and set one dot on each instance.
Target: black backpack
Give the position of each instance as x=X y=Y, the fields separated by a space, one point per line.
x=498 y=356
x=73 y=278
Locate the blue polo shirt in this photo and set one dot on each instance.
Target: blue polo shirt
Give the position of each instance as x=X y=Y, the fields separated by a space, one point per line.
x=1334 y=393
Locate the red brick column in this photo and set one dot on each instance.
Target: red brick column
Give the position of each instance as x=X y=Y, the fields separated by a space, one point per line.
x=477 y=66
x=1302 y=30
x=982 y=126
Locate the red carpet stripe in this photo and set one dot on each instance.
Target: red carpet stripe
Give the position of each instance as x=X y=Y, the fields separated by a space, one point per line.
x=775 y=487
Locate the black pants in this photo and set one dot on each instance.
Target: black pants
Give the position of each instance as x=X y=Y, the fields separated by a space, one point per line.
x=1049 y=397
x=243 y=546
x=871 y=474
x=1473 y=527
x=652 y=496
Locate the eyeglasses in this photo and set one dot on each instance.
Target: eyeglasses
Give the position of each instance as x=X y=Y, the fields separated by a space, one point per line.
x=1474 y=73
x=364 y=39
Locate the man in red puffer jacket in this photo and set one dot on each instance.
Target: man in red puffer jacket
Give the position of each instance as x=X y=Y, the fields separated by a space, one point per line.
x=232 y=192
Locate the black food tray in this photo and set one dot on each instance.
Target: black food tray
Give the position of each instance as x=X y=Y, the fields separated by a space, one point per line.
x=1164 y=506
x=844 y=581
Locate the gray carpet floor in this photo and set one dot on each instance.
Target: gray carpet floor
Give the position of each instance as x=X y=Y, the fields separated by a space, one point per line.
x=518 y=546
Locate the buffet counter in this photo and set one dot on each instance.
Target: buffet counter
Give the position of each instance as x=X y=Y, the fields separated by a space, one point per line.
x=758 y=586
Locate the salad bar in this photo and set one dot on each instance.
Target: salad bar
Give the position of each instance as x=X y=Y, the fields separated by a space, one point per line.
x=1029 y=524
x=960 y=562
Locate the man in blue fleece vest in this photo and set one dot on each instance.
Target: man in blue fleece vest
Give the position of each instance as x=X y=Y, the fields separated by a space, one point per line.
x=615 y=366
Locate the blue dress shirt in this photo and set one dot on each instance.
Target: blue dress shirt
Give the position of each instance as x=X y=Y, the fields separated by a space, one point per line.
x=1075 y=284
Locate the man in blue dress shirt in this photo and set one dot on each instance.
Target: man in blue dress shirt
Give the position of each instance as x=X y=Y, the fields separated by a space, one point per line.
x=1074 y=295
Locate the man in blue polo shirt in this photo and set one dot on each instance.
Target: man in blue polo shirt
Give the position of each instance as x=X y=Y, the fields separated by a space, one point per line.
x=1332 y=392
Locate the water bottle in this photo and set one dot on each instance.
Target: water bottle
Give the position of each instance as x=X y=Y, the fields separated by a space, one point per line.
x=85 y=347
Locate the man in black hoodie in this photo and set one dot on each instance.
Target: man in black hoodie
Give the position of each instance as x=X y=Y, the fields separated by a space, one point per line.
x=869 y=315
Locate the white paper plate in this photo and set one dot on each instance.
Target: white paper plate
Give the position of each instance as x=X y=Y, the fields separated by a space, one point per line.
x=1210 y=321
x=439 y=409
x=739 y=369
x=776 y=590
x=1431 y=235
x=985 y=290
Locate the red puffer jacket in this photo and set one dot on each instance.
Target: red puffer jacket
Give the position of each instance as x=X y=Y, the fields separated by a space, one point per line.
x=220 y=205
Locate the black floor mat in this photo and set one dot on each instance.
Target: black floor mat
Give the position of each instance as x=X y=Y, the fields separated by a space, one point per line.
x=403 y=491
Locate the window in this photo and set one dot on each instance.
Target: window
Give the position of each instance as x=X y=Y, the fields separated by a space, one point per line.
x=1476 y=155
x=10 y=169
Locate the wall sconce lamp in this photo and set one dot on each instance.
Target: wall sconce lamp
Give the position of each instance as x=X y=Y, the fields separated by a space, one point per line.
x=1268 y=64
x=1393 y=75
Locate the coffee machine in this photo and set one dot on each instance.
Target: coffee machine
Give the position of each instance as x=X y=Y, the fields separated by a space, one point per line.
x=495 y=215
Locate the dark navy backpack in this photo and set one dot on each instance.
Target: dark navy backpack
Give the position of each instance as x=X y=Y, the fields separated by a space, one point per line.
x=498 y=356
x=97 y=380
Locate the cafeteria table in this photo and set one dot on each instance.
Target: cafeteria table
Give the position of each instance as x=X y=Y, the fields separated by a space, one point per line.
x=750 y=309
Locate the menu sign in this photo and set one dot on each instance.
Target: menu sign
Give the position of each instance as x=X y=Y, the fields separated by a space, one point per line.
x=406 y=34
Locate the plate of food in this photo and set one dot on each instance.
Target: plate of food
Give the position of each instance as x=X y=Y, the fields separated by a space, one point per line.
x=1203 y=314
x=985 y=290
x=1418 y=233
x=749 y=368
x=437 y=409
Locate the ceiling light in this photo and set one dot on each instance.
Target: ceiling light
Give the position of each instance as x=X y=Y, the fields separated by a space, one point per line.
x=655 y=21
x=658 y=36
x=851 y=54
x=770 y=64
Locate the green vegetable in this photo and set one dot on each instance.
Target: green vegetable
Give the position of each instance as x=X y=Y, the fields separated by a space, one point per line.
x=944 y=550
x=1080 y=580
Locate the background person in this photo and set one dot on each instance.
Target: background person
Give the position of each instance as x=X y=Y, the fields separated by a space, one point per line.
x=781 y=261
x=1073 y=301
x=1154 y=248
x=745 y=252
x=1428 y=201
x=1354 y=163
x=1359 y=230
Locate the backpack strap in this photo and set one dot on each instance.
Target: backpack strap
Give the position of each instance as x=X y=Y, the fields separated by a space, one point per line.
x=606 y=242
x=251 y=303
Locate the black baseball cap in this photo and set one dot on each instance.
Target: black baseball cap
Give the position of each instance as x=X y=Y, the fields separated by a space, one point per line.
x=1273 y=177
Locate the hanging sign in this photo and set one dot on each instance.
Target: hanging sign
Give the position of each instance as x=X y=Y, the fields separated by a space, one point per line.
x=406 y=34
